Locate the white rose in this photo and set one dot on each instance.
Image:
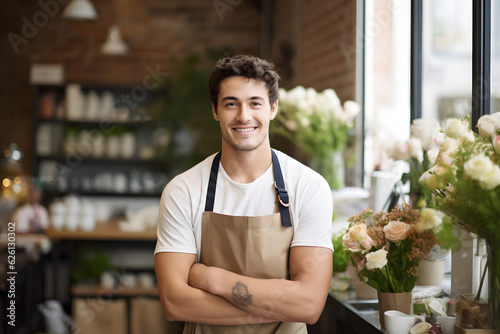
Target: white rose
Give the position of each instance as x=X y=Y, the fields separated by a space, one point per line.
x=428 y=220
x=488 y=125
x=429 y=179
x=439 y=138
x=432 y=155
x=400 y=152
x=482 y=169
x=331 y=97
x=351 y=110
x=458 y=128
x=425 y=129
x=449 y=145
x=376 y=260
x=415 y=147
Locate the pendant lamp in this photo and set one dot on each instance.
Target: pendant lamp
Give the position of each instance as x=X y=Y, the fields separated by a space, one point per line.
x=80 y=10
x=114 y=44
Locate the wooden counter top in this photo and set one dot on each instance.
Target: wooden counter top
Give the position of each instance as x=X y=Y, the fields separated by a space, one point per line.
x=103 y=231
x=98 y=290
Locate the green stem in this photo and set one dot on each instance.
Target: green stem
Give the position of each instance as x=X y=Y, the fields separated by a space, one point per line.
x=389 y=278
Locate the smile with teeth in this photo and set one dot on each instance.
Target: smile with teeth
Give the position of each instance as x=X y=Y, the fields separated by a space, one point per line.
x=244 y=129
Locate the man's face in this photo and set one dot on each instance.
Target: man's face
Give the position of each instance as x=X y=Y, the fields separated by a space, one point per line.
x=244 y=113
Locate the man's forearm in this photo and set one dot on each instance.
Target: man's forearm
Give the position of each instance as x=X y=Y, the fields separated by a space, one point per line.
x=194 y=305
x=300 y=299
x=273 y=298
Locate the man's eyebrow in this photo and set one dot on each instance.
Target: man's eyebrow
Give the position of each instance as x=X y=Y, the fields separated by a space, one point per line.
x=232 y=98
x=229 y=98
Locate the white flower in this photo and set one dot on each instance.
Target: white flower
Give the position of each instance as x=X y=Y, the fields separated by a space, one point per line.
x=439 y=138
x=458 y=128
x=331 y=97
x=428 y=220
x=282 y=94
x=405 y=151
x=432 y=155
x=430 y=177
x=488 y=125
x=400 y=152
x=351 y=109
x=482 y=169
x=425 y=129
x=415 y=146
x=376 y=260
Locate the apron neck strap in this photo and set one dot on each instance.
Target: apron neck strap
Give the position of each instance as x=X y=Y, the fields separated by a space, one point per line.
x=279 y=184
x=212 y=182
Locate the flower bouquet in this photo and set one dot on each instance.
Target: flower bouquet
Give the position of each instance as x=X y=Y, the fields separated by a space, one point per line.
x=465 y=181
x=318 y=124
x=419 y=152
x=387 y=246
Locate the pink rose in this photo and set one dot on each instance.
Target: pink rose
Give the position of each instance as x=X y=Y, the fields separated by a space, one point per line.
x=357 y=232
x=396 y=231
x=367 y=243
x=350 y=244
x=496 y=144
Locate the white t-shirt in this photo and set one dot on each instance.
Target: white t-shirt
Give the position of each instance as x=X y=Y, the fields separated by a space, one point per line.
x=183 y=203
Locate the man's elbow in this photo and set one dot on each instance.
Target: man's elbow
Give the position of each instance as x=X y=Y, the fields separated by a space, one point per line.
x=171 y=311
x=312 y=312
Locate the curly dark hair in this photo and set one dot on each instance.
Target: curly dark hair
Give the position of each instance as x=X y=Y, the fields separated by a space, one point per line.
x=248 y=66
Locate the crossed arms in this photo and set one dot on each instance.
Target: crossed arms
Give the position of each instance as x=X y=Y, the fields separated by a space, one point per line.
x=194 y=292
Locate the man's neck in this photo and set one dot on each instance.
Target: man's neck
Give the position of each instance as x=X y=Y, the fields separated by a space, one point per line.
x=246 y=166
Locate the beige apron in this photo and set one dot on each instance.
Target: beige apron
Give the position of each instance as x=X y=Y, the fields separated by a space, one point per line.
x=252 y=246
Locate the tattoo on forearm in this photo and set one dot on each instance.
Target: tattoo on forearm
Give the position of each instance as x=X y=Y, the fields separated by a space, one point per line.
x=241 y=296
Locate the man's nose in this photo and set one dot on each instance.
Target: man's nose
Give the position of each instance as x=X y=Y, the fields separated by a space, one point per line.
x=244 y=113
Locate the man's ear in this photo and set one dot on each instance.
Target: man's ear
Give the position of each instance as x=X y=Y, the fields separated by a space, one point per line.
x=274 y=109
x=214 y=112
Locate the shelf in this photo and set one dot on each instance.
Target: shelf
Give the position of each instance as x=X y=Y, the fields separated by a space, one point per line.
x=62 y=159
x=103 y=231
x=104 y=121
x=101 y=291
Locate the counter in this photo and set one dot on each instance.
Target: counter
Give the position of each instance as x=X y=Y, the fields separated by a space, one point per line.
x=345 y=314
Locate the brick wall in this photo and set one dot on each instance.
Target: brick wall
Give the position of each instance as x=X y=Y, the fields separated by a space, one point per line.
x=305 y=42
x=153 y=29
x=321 y=36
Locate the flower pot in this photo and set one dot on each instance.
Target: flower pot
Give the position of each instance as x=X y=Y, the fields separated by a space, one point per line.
x=387 y=301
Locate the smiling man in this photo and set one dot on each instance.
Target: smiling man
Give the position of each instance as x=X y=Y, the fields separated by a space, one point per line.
x=244 y=237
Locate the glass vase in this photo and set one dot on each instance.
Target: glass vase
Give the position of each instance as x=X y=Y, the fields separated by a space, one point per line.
x=332 y=168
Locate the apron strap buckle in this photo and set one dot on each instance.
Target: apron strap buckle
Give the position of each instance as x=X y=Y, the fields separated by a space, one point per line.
x=284 y=193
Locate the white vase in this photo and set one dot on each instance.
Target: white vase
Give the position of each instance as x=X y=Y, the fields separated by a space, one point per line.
x=431 y=273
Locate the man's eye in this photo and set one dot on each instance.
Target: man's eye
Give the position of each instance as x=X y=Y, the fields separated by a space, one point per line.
x=230 y=104
x=256 y=104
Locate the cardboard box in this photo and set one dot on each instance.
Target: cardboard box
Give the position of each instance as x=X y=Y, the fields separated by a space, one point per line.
x=460 y=330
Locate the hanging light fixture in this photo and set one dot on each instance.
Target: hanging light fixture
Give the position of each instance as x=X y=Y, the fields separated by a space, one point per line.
x=114 y=44
x=80 y=10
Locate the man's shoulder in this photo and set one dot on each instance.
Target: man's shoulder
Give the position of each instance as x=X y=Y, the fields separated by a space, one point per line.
x=194 y=175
